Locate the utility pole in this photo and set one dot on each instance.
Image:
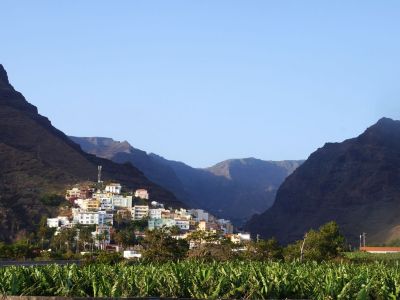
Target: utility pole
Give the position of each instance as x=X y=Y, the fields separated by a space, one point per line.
x=360 y=241
x=364 y=236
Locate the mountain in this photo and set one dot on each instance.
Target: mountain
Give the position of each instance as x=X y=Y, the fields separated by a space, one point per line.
x=37 y=159
x=234 y=189
x=355 y=183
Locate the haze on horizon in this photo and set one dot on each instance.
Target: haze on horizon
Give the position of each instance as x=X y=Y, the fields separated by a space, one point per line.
x=205 y=81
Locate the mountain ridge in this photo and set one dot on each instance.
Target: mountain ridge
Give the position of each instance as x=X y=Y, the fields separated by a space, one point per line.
x=355 y=183
x=249 y=188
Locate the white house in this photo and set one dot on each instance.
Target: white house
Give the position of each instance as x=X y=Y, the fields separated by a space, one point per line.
x=159 y=223
x=199 y=215
x=140 y=212
x=92 y=217
x=226 y=226
x=114 y=188
x=57 y=222
x=183 y=224
x=155 y=213
x=142 y=194
x=121 y=201
x=106 y=203
x=240 y=238
x=131 y=254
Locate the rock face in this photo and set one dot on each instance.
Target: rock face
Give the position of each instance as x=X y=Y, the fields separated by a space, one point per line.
x=37 y=159
x=234 y=189
x=355 y=183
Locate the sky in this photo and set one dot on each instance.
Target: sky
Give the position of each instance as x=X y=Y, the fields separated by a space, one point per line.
x=204 y=81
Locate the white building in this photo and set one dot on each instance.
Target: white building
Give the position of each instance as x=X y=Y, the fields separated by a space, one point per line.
x=91 y=217
x=139 y=212
x=159 y=223
x=240 y=238
x=183 y=224
x=131 y=254
x=199 y=215
x=114 y=188
x=155 y=213
x=106 y=203
x=58 y=222
x=73 y=193
x=226 y=226
x=182 y=214
x=121 y=201
x=142 y=194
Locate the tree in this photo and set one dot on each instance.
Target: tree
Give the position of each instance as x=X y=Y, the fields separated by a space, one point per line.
x=160 y=246
x=85 y=236
x=66 y=237
x=263 y=250
x=212 y=252
x=125 y=238
x=324 y=244
x=44 y=233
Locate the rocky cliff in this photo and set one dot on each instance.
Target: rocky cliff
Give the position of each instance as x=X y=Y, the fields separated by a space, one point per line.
x=355 y=183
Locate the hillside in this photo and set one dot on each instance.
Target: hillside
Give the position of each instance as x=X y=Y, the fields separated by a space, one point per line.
x=356 y=183
x=234 y=189
x=36 y=159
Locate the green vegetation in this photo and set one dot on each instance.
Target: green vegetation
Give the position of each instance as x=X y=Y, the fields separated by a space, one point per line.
x=160 y=246
x=234 y=280
x=53 y=200
x=365 y=257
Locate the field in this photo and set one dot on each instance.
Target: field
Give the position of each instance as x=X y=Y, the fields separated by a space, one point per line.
x=249 y=280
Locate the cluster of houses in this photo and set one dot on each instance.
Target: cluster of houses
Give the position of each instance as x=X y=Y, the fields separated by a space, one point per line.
x=100 y=206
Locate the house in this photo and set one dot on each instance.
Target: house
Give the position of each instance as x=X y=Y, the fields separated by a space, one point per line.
x=121 y=201
x=88 y=204
x=139 y=212
x=114 y=188
x=73 y=194
x=206 y=226
x=199 y=215
x=383 y=250
x=159 y=223
x=240 y=238
x=58 y=222
x=106 y=203
x=226 y=226
x=183 y=214
x=156 y=213
x=91 y=217
x=78 y=193
x=132 y=254
x=142 y=194
x=183 y=224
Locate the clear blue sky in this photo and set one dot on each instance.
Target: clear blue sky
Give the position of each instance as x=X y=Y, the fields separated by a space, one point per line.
x=203 y=81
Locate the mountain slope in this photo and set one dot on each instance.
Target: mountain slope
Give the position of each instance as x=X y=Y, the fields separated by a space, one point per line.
x=356 y=183
x=37 y=159
x=234 y=189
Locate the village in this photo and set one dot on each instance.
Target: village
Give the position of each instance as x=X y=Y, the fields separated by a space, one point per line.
x=100 y=205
